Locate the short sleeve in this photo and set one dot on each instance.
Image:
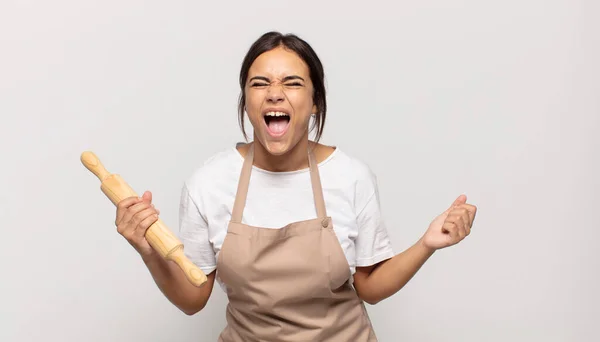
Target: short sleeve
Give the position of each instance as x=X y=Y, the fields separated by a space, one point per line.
x=372 y=242
x=194 y=233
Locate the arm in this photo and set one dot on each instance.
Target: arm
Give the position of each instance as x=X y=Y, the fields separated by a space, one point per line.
x=134 y=216
x=174 y=285
x=380 y=281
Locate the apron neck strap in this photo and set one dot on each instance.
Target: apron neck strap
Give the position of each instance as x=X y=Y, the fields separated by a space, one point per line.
x=244 y=182
x=315 y=180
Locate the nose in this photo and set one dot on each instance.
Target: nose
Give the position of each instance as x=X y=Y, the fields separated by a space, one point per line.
x=275 y=94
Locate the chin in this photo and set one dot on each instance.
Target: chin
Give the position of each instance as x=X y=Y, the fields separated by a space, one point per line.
x=276 y=148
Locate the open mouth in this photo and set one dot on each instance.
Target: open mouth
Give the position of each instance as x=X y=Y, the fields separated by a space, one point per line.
x=277 y=122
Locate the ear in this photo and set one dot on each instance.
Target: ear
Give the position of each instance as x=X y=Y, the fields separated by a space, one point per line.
x=315 y=110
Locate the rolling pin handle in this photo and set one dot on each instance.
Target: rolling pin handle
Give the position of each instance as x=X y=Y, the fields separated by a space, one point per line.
x=190 y=270
x=92 y=163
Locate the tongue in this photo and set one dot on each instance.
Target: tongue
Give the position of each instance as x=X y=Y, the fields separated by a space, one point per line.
x=277 y=125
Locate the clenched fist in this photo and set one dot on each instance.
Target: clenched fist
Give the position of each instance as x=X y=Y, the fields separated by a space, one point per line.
x=451 y=226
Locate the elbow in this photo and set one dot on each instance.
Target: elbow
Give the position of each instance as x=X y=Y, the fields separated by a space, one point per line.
x=195 y=300
x=191 y=310
x=369 y=298
x=372 y=301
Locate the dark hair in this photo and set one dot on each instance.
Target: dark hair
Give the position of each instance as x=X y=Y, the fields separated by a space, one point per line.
x=272 y=40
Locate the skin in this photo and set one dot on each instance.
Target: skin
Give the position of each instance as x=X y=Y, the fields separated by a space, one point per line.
x=279 y=78
x=134 y=216
x=378 y=282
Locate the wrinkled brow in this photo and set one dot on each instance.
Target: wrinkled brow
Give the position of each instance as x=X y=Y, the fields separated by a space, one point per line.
x=287 y=78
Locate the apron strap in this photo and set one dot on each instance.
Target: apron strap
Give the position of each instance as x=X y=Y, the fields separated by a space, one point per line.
x=242 y=190
x=315 y=179
x=244 y=182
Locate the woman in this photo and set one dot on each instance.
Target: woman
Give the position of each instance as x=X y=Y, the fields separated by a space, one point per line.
x=289 y=227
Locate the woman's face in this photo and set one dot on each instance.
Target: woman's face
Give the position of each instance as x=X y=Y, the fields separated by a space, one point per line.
x=279 y=99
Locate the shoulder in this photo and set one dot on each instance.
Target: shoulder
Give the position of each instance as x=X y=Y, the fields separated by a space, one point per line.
x=350 y=177
x=216 y=168
x=351 y=167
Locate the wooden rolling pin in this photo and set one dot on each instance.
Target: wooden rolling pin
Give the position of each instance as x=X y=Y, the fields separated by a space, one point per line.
x=158 y=234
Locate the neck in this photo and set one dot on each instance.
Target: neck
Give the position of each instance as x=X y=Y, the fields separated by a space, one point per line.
x=293 y=160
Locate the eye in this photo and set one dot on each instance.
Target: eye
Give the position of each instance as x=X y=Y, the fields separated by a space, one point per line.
x=294 y=84
x=259 y=84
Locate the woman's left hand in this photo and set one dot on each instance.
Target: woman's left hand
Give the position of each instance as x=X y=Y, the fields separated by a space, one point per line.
x=451 y=226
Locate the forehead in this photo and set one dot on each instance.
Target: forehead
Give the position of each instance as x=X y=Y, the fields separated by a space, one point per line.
x=278 y=63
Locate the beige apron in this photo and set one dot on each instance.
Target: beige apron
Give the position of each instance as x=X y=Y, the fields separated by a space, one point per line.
x=291 y=283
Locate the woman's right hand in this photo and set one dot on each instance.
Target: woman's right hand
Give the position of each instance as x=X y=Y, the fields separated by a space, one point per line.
x=134 y=216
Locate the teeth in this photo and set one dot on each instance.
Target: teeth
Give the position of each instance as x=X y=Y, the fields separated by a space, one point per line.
x=276 y=114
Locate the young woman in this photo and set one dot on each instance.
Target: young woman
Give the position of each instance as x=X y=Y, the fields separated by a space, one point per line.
x=289 y=227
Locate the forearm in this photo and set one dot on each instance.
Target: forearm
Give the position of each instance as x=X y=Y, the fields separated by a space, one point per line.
x=391 y=275
x=175 y=286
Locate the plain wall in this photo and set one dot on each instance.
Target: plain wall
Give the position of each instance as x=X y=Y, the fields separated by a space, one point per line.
x=495 y=99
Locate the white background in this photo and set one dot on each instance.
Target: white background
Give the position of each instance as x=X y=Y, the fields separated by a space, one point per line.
x=495 y=99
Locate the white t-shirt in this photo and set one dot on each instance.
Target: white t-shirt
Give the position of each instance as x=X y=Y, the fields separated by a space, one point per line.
x=276 y=199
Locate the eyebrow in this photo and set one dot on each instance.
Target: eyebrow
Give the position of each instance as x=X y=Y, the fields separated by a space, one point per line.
x=287 y=78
